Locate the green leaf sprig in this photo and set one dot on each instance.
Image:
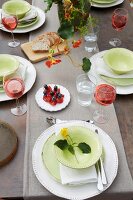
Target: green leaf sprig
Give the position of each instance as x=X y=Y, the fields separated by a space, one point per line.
x=70 y=145
x=86 y=65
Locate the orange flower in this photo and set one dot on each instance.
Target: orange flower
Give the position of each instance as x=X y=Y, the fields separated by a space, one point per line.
x=52 y=61
x=76 y=43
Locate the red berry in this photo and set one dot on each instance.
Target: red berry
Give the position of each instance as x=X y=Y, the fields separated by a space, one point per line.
x=60 y=100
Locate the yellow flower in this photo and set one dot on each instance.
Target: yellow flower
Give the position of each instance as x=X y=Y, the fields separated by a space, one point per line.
x=64 y=132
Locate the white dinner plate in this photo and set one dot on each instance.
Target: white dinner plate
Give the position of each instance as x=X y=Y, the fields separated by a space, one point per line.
x=46 y=106
x=123 y=90
x=39 y=23
x=99 y=5
x=78 y=192
x=29 y=80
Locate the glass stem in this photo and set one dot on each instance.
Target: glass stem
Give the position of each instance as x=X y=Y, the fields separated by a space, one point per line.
x=12 y=36
x=18 y=104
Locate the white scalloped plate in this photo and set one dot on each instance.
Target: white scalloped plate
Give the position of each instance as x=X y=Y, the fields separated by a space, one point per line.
x=46 y=106
x=79 y=192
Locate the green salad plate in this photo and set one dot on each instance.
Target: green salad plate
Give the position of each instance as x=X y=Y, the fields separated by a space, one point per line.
x=118 y=81
x=49 y=157
x=80 y=160
x=103 y=1
x=27 y=24
x=8 y=64
x=16 y=7
x=120 y=60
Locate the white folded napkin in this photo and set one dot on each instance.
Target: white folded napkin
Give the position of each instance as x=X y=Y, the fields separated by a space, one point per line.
x=76 y=176
x=31 y=15
x=103 y=69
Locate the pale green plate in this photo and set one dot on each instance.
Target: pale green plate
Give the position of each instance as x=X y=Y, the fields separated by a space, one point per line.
x=8 y=64
x=120 y=60
x=118 y=81
x=104 y=1
x=49 y=157
x=80 y=134
x=16 y=7
x=28 y=24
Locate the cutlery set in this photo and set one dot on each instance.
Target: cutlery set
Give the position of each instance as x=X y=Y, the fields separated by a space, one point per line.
x=101 y=174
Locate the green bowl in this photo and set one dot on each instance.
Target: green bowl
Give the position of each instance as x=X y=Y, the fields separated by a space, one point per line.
x=16 y=7
x=120 y=60
x=80 y=134
x=8 y=64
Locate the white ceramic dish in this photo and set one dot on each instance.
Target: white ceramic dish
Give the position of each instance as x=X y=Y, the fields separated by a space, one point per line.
x=98 y=5
x=39 y=23
x=46 y=106
x=30 y=77
x=79 y=192
x=123 y=90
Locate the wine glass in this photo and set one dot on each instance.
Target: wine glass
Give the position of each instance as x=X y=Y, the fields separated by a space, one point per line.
x=10 y=22
x=105 y=95
x=14 y=88
x=119 y=20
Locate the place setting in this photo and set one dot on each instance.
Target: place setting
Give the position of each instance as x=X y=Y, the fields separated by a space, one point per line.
x=65 y=159
x=20 y=17
x=15 y=67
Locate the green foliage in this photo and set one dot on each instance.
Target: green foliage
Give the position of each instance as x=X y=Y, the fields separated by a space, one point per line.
x=62 y=144
x=85 y=148
x=66 y=30
x=71 y=149
x=86 y=65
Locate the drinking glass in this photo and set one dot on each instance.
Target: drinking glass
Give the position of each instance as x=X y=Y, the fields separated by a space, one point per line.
x=119 y=20
x=105 y=95
x=91 y=39
x=10 y=23
x=14 y=88
x=85 y=89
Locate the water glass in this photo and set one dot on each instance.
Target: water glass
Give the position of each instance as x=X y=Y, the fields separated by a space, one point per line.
x=91 y=39
x=85 y=90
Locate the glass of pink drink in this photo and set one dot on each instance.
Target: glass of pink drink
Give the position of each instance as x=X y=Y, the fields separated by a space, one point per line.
x=104 y=95
x=10 y=23
x=14 y=88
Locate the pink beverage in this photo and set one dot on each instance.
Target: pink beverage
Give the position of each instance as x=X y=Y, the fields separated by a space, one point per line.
x=10 y=22
x=119 y=22
x=105 y=94
x=14 y=87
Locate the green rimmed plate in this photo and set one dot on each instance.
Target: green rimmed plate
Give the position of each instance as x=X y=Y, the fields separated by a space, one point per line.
x=51 y=164
x=28 y=24
x=118 y=81
x=80 y=134
x=104 y=1
x=120 y=60
x=8 y=64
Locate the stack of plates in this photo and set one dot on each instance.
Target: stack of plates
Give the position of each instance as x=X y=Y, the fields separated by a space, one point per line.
x=61 y=173
x=16 y=66
x=106 y=3
x=114 y=66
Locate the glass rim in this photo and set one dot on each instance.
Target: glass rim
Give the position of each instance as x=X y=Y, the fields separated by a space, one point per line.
x=88 y=78
x=120 y=9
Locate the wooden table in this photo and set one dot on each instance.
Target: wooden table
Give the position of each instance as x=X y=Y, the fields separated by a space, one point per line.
x=11 y=176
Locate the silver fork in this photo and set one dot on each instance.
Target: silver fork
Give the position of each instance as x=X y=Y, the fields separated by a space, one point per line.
x=52 y=120
x=102 y=170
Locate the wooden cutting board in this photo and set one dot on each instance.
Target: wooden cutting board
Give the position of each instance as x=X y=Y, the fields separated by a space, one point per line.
x=36 y=57
x=8 y=143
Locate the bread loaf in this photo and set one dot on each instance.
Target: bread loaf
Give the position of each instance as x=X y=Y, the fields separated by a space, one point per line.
x=45 y=41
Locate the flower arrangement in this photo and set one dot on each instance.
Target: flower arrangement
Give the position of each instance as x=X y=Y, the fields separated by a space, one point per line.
x=73 y=15
x=70 y=145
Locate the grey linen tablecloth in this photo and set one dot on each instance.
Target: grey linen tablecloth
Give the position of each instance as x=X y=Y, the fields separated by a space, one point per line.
x=65 y=74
